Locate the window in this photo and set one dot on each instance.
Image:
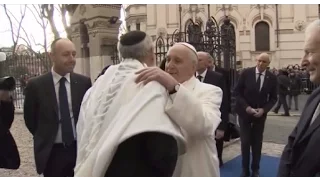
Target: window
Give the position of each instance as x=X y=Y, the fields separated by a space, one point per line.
x=138 y=26
x=262 y=36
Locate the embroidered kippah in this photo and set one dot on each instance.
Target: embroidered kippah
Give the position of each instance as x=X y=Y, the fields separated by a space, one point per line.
x=132 y=37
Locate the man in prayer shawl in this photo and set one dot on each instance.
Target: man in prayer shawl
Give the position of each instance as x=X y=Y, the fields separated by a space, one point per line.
x=193 y=105
x=123 y=129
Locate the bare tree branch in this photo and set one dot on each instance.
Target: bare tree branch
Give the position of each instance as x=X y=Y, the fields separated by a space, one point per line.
x=63 y=10
x=15 y=39
x=47 y=12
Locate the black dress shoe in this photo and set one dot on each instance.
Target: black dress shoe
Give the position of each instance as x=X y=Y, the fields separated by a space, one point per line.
x=255 y=174
x=245 y=174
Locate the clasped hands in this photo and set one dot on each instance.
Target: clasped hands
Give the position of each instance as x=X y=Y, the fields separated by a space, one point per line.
x=255 y=112
x=149 y=74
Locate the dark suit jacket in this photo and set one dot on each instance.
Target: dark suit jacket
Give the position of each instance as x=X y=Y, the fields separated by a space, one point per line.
x=149 y=154
x=41 y=112
x=283 y=84
x=217 y=79
x=9 y=155
x=301 y=155
x=229 y=77
x=247 y=94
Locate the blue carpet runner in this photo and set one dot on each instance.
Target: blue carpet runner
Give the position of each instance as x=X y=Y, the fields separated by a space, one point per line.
x=268 y=167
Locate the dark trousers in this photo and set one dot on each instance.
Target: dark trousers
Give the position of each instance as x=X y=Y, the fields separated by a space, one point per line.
x=61 y=162
x=219 y=144
x=251 y=136
x=282 y=101
x=145 y=155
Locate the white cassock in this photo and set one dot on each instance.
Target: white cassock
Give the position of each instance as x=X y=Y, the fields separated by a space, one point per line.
x=196 y=109
x=114 y=109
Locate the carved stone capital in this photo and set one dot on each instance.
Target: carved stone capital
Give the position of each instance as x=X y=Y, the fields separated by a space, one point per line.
x=113 y=6
x=300 y=25
x=162 y=32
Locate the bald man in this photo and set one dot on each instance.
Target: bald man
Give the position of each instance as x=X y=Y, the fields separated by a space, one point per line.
x=51 y=110
x=300 y=157
x=194 y=106
x=256 y=94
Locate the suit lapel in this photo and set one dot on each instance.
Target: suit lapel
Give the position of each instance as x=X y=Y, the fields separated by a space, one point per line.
x=74 y=86
x=265 y=81
x=254 y=79
x=51 y=93
x=305 y=119
x=206 y=78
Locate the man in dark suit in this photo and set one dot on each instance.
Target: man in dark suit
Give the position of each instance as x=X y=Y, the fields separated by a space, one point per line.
x=256 y=94
x=51 y=110
x=204 y=74
x=301 y=157
x=283 y=91
x=9 y=155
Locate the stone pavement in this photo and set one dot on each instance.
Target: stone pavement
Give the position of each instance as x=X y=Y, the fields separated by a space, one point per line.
x=25 y=146
x=270 y=149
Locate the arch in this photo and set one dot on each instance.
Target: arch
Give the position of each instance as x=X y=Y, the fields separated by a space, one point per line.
x=262 y=36
x=235 y=19
x=185 y=20
x=203 y=18
x=269 y=17
x=233 y=15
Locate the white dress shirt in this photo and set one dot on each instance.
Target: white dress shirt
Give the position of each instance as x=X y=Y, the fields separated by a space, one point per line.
x=263 y=75
x=56 y=81
x=203 y=75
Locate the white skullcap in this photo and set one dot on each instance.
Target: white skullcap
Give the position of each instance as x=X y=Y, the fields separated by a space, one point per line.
x=189 y=46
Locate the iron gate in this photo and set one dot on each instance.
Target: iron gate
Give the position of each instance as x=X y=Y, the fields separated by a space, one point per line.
x=23 y=67
x=219 y=42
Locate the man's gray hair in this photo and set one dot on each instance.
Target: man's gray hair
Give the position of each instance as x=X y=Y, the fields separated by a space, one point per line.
x=312 y=26
x=211 y=58
x=136 y=51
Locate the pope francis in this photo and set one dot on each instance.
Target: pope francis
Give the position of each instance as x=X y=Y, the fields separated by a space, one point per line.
x=123 y=129
x=194 y=106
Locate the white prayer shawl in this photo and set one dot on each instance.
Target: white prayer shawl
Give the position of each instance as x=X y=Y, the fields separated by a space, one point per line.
x=114 y=109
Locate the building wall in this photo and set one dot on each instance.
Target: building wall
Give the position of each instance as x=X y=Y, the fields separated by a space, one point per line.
x=292 y=19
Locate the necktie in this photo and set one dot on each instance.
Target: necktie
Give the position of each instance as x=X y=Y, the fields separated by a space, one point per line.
x=199 y=77
x=259 y=82
x=315 y=114
x=65 y=119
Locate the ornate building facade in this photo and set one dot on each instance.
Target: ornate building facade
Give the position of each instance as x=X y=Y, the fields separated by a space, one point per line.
x=95 y=31
x=275 y=29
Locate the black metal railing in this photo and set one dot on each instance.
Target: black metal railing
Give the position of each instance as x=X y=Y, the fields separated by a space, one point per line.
x=22 y=68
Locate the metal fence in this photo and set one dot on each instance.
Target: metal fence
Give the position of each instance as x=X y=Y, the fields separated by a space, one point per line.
x=23 y=67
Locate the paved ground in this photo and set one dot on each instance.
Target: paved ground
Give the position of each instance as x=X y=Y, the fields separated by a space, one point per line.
x=275 y=136
x=278 y=128
x=302 y=99
x=25 y=146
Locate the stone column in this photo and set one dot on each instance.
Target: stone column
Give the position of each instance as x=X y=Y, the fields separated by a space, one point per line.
x=133 y=26
x=143 y=26
x=79 y=65
x=95 y=63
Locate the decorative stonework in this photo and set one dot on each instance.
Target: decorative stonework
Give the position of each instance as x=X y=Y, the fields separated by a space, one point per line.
x=100 y=23
x=82 y=9
x=108 y=41
x=113 y=6
x=162 y=32
x=300 y=25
